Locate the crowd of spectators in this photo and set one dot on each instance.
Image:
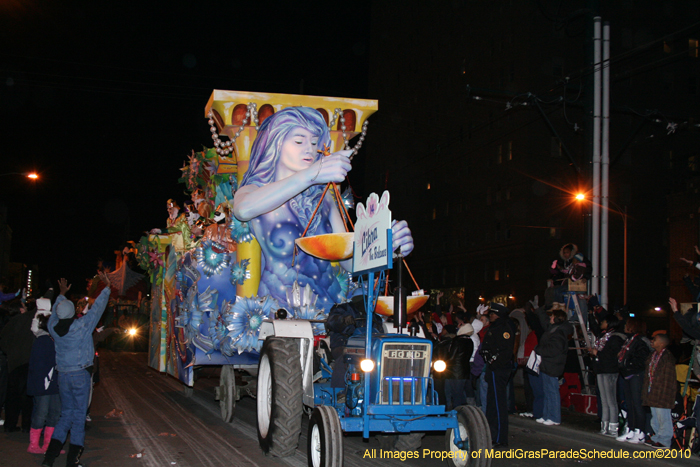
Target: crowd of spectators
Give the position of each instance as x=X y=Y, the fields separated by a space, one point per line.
x=46 y=362
x=633 y=372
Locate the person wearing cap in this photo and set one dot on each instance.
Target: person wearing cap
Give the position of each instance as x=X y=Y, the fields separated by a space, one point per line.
x=497 y=350
x=42 y=381
x=75 y=355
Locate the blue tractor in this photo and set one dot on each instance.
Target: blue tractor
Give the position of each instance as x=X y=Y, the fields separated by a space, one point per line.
x=389 y=392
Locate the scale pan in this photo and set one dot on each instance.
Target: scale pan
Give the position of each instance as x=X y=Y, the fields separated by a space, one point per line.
x=385 y=305
x=331 y=247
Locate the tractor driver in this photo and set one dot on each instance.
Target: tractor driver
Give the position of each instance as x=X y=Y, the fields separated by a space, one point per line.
x=344 y=321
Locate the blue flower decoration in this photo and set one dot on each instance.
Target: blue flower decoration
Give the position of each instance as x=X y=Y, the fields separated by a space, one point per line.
x=212 y=257
x=239 y=272
x=240 y=231
x=217 y=329
x=243 y=320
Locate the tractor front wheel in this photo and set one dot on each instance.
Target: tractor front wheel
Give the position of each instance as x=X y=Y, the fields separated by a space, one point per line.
x=325 y=440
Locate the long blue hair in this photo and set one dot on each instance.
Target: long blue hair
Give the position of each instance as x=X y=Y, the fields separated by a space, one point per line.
x=266 y=152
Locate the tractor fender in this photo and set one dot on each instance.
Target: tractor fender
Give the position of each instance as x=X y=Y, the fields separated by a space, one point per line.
x=301 y=331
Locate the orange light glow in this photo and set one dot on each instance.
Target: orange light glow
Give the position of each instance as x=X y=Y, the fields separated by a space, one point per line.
x=33 y=176
x=580 y=196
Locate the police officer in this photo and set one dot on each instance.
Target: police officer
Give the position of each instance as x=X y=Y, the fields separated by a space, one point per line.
x=497 y=350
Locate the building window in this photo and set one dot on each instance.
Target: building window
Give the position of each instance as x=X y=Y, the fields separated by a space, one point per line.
x=552 y=232
x=496 y=273
x=428 y=185
x=693 y=48
x=434 y=213
x=499 y=154
x=510 y=150
x=667 y=47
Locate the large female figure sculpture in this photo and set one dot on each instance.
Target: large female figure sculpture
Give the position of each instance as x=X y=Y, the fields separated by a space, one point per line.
x=279 y=192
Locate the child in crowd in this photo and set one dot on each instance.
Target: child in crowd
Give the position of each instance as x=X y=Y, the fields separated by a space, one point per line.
x=659 y=391
x=42 y=382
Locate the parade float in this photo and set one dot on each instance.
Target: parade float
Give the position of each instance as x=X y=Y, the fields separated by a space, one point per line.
x=244 y=277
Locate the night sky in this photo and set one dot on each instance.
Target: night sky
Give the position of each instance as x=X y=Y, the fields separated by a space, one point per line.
x=105 y=100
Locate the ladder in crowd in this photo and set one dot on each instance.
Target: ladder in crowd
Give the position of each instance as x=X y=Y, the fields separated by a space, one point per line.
x=580 y=337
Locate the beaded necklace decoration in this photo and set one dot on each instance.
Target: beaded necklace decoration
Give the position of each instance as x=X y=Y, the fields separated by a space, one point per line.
x=652 y=367
x=224 y=148
x=625 y=348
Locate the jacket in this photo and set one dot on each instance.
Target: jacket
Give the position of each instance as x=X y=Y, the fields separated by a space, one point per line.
x=75 y=350
x=43 y=378
x=606 y=359
x=553 y=348
x=458 y=352
x=661 y=391
x=497 y=345
x=16 y=340
x=633 y=360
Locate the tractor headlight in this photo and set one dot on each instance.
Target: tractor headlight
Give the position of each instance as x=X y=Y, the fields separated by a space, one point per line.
x=367 y=365
x=439 y=366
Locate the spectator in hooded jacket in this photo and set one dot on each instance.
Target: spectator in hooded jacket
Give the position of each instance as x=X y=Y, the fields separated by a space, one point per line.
x=604 y=364
x=75 y=356
x=42 y=382
x=497 y=350
x=632 y=360
x=553 y=348
x=659 y=391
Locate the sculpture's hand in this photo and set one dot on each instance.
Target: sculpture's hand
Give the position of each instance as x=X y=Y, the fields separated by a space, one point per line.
x=333 y=168
x=401 y=237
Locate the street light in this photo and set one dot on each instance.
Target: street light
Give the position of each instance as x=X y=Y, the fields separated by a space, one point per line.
x=32 y=175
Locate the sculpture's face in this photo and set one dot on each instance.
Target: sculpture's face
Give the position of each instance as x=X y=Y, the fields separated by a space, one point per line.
x=298 y=151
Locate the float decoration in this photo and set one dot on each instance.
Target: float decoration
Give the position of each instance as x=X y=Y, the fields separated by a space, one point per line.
x=240 y=231
x=243 y=321
x=301 y=304
x=239 y=272
x=212 y=257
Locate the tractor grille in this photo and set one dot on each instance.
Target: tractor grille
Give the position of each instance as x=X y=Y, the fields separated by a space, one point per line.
x=404 y=373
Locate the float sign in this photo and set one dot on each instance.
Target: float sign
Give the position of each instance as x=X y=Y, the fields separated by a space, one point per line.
x=372 y=235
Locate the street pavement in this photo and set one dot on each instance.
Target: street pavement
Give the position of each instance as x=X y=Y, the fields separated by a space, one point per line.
x=141 y=417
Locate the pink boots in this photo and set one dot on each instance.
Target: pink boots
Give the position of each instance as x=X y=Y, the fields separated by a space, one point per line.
x=34 y=435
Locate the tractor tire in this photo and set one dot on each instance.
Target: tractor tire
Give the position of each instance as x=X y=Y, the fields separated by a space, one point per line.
x=408 y=441
x=279 y=399
x=473 y=427
x=387 y=442
x=325 y=439
x=226 y=393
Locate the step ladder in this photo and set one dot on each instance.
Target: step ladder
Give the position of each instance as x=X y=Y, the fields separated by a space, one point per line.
x=580 y=336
